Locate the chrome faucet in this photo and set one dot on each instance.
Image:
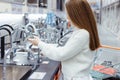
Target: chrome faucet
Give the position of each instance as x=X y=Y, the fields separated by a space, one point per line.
x=7 y=52
x=9 y=29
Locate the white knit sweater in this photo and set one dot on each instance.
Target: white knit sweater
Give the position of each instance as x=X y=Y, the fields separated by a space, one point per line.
x=76 y=57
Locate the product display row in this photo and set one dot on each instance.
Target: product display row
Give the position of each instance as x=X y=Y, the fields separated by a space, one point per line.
x=17 y=54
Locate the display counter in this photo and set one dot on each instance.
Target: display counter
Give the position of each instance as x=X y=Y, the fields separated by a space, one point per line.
x=20 y=68
x=47 y=70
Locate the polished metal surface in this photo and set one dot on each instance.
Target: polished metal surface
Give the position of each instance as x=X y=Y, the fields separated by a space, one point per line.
x=16 y=68
x=14 y=72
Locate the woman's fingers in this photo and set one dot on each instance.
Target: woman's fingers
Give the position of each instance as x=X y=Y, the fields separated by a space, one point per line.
x=31 y=40
x=34 y=40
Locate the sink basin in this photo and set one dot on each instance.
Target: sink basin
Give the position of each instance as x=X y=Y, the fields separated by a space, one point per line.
x=14 y=72
x=17 y=67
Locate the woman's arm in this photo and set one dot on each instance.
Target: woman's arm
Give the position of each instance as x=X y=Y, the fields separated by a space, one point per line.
x=73 y=47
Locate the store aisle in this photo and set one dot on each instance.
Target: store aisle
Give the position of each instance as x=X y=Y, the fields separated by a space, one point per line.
x=107 y=37
x=107 y=57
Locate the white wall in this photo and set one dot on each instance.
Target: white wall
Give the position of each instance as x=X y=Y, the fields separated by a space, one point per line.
x=11 y=19
x=34 y=17
x=5 y=7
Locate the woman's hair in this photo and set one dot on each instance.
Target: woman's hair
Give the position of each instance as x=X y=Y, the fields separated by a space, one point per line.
x=81 y=15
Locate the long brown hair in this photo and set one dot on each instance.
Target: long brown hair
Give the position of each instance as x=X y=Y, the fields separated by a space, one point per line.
x=81 y=15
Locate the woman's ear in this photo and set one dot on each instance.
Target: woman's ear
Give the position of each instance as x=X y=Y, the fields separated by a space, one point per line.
x=68 y=24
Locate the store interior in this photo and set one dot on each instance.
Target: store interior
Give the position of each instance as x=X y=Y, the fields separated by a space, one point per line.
x=23 y=19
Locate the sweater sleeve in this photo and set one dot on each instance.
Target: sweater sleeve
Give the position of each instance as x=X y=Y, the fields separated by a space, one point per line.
x=73 y=47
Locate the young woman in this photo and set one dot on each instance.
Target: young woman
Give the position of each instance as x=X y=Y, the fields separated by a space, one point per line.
x=77 y=54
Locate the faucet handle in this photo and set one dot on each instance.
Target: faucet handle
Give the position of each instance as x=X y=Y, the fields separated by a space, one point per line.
x=30 y=56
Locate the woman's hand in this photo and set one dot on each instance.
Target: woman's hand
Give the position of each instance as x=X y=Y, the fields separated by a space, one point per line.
x=34 y=41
